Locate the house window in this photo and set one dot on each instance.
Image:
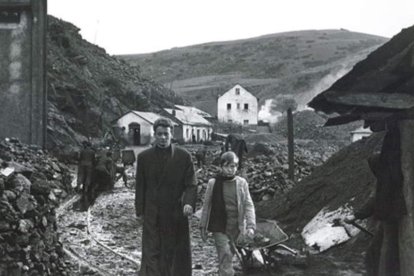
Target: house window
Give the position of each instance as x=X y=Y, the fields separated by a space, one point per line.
x=230 y=121
x=237 y=91
x=245 y=122
x=246 y=106
x=238 y=106
x=229 y=106
x=9 y=16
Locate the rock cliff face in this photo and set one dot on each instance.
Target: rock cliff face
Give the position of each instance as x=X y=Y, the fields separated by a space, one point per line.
x=88 y=89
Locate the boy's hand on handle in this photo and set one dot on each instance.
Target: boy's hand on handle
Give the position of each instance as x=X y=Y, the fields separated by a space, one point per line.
x=187 y=210
x=349 y=219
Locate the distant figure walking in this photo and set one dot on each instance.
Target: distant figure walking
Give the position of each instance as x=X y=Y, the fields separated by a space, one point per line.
x=85 y=170
x=236 y=144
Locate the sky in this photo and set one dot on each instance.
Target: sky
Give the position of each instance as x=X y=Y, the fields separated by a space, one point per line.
x=144 y=26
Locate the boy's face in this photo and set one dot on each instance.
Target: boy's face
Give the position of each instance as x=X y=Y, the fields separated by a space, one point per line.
x=229 y=169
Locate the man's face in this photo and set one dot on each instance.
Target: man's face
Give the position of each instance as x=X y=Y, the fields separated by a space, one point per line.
x=163 y=136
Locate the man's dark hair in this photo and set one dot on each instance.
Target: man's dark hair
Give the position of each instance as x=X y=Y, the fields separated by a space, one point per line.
x=164 y=122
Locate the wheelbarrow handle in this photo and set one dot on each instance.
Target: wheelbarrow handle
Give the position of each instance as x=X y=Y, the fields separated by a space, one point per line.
x=353 y=223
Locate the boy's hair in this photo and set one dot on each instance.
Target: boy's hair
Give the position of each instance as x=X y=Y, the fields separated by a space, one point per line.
x=228 y=157
x=164 y=122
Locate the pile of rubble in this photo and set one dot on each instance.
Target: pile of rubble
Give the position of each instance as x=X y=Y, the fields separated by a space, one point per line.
x=32 y=184
x=266 y=167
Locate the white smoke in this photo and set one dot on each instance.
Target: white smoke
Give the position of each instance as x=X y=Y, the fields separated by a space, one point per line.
x=304 y=98
x=266 y=114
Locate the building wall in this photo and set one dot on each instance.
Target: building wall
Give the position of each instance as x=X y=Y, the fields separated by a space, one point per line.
x=22 y=70
x=146 y=130
x=237 y=112
x=201 y=133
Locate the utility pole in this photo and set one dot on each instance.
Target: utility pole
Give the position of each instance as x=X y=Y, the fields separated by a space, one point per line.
x=291 y=157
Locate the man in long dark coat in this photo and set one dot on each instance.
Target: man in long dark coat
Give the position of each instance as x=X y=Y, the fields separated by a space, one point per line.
x=165 y=197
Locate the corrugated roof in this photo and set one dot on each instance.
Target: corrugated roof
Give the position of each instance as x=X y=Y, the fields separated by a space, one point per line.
x=188 y=118
x=384 y=81
x=194 y=109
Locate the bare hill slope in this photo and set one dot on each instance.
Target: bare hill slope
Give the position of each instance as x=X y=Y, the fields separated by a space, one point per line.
x=301 y=63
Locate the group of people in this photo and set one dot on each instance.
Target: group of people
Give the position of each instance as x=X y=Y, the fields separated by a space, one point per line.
x=166 y=190
x=96 y=173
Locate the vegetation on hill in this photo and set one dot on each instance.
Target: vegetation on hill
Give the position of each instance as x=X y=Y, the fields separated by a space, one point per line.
x=300 y=63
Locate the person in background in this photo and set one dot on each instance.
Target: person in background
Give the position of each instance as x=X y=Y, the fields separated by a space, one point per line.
x=387 y=207
x=236 y=144
x=201 y=156
x=87 y=161
x=228 y=212
x=166 y=190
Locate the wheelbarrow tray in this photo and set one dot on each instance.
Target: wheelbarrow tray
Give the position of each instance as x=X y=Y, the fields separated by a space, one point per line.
x=269 y=229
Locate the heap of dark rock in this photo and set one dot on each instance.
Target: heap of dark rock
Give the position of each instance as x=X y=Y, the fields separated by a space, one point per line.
x=31 y=186
x=266 y=167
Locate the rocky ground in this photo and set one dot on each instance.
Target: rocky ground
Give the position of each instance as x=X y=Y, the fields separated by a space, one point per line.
x=106 y=239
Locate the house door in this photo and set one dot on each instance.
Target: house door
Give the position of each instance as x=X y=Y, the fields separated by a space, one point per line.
x=135 y=128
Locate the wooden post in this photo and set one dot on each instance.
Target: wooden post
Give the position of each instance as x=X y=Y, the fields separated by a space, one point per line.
x=291 y=158
x=406 y=232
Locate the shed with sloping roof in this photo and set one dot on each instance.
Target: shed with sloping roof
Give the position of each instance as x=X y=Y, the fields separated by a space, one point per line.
x=192 y=127
x=137 y=126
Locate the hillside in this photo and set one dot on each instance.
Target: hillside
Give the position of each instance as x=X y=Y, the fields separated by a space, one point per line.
x=301 y=63
x=87 y=88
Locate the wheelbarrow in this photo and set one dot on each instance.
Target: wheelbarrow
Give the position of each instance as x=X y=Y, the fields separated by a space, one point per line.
x=274 y=237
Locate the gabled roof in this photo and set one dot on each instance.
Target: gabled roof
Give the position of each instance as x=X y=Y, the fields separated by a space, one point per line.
x=150 y=117
x=194 y=109
x=378 y=87
x=188 y=118
x=228 y=90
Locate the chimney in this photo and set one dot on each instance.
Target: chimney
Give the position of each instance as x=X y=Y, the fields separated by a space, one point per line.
x=173 y=112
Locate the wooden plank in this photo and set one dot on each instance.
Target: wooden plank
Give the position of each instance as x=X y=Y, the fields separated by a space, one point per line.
x=382 y=100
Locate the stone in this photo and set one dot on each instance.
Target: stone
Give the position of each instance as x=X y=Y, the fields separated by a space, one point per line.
x=4 y=226
x=25 y=225
x=10 y=195
x=25 y=203
x=20 y=184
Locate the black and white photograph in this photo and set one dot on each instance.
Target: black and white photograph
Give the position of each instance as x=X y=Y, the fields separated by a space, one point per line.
x=206 y=138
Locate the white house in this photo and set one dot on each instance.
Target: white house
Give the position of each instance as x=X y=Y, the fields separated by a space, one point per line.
x=191 y=126
x=137 y=126
x=359 y=133
x=237 y=105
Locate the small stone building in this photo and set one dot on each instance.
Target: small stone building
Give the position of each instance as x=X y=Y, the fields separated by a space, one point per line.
x=136 y=126
x=237 y=105
x=191 y=127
